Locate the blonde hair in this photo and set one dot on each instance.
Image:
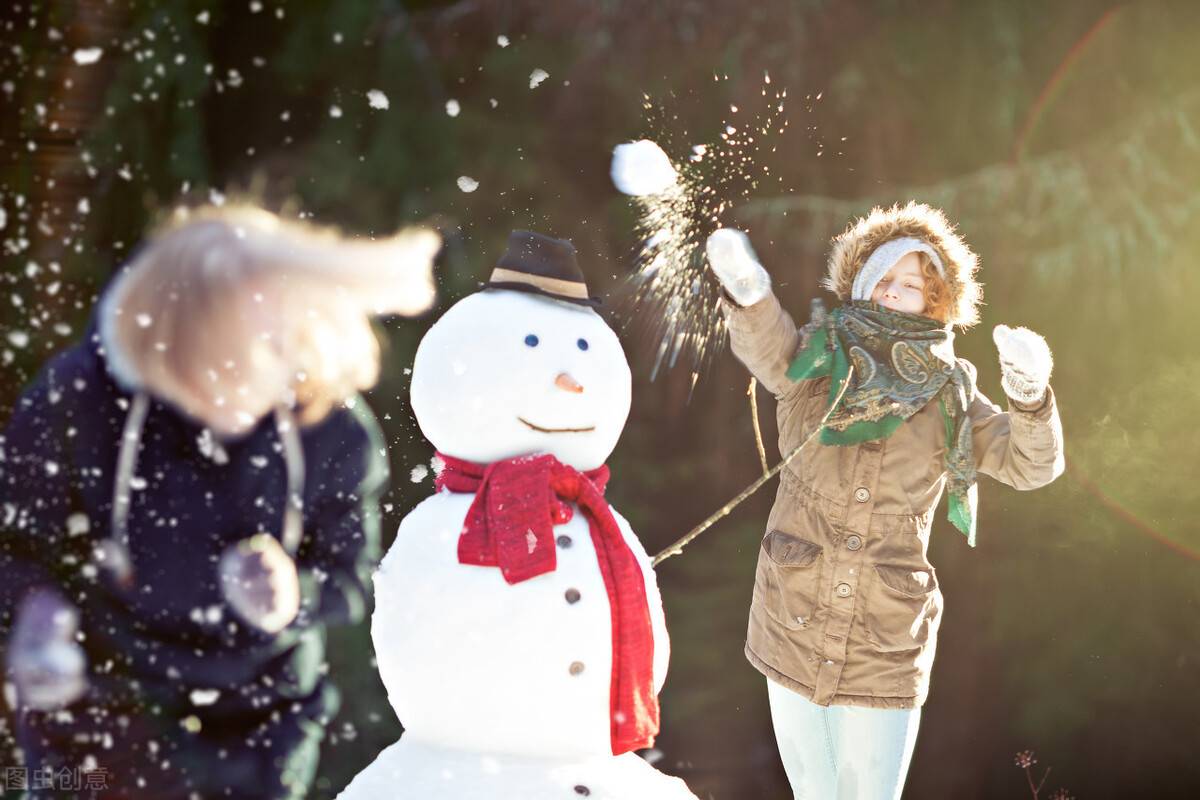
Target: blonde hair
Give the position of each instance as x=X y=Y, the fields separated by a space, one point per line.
x=935 y=291
x=227 y=312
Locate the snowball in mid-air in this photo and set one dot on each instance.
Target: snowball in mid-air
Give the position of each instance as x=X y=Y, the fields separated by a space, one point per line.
x=89 y=55
x=642 y=168
x=377 y=99
x=536 y=77
x=467 y=183
x=453 y=108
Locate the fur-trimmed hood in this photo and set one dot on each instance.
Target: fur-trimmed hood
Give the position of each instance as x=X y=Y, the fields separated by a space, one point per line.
x=853 y=246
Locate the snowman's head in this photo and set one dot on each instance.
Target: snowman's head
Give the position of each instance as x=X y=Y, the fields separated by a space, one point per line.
x=506 y=373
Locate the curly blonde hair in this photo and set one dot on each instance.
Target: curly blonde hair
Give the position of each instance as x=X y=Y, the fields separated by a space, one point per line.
x=938 y=302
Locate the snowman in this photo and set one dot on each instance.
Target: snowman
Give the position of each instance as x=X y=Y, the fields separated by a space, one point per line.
x=518 y=626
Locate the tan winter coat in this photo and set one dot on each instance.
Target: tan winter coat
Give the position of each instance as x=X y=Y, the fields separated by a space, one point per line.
x=846 y=605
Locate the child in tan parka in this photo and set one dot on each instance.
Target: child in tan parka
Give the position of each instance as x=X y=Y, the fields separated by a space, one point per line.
x=846 y=606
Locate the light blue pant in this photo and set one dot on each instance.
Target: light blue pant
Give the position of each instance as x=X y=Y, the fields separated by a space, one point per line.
x=842 y=752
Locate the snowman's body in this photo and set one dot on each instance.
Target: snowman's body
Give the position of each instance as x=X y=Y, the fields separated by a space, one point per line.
x=414 y=769
x=504 y=689
x=531 y=668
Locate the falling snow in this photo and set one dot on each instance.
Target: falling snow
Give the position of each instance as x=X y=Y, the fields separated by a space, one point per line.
x=453 y=108
x=210 y=448
x=467 y=183
x=89 y=55
x=536 y=77
x=204 y=697
x=375 y=98
x=78 y=524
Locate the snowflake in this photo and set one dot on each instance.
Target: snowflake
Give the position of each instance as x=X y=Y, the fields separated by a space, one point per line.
x=376 y=99
x=204 y=697
x=87 y=55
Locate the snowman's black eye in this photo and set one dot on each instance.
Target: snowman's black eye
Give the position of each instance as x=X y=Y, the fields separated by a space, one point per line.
x=531 y=340
x=583 y=345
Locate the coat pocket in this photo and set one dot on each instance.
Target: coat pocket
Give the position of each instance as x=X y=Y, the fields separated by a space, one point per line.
x=904 y=608
x=789 y=573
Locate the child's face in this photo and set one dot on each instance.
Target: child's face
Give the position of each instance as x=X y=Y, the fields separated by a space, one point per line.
x=902 y=287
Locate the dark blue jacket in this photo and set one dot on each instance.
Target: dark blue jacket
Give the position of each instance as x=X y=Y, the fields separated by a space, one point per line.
x=173 y=633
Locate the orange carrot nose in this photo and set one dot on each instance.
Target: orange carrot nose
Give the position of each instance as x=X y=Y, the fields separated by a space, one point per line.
x=567 y=383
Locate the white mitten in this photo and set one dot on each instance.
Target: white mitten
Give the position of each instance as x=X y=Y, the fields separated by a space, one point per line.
x=47 y=665
x=259 y=579
x=1025 y=363
x=733 y=262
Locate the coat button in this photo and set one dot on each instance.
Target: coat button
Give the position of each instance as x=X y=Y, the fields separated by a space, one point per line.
x=576 y=667
x=853 y=541
x=563 y=541
x=843 y=590
x=862 y=494
x=572 y=596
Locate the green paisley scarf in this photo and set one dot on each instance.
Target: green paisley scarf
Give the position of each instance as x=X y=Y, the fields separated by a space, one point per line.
x=901 y=363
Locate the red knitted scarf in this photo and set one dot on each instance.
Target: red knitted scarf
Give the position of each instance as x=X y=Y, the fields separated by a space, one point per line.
x=510 y=525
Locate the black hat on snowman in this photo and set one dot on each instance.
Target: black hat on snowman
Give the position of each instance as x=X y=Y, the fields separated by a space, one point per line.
x=541 y=265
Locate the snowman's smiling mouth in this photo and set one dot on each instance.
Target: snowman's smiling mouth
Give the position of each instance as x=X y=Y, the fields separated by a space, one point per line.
x=555 y=430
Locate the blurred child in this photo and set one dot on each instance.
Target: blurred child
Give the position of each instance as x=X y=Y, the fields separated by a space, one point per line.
x=846 y=606
x=193 y=495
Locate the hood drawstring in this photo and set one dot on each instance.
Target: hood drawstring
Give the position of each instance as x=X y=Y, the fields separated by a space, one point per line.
x=113 y=552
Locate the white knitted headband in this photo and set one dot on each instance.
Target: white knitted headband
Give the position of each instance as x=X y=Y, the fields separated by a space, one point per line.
x=884 y=258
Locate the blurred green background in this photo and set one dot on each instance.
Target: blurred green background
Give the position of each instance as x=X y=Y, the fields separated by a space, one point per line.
x=1064 y=138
